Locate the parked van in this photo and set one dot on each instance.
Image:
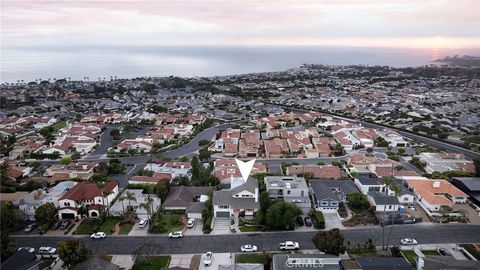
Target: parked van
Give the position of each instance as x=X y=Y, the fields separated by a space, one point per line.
x=143 y=223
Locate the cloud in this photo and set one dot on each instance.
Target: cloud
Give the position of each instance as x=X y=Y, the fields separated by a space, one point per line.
x=272 y=22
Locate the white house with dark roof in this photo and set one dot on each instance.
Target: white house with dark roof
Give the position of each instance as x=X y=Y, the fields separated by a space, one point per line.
x=241 y=197
x=328 y=194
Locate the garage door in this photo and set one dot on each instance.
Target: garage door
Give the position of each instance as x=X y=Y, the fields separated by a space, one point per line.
x=68 y=216
x=222 y=214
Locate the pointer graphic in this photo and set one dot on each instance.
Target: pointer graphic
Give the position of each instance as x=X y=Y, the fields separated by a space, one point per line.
x=245 y=167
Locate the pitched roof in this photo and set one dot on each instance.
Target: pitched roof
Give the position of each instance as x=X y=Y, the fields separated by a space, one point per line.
x=435 y=194
x=87 y=191
x=225 y=196
x=184 y=196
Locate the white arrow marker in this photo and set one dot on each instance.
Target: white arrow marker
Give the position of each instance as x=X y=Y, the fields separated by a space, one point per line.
x=245 y=168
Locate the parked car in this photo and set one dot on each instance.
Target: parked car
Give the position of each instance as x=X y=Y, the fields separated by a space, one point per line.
x=408 y=242
x=289 y=245
x=65 y=224
x=190 y=223
x=30 y=227
x=29 y=249
x=177 y=234
x=207 y=260
x=47 y=250
x=443 y=252
x=248 y=248
x=98 y=235
x=56 y=225
x=143 y=223
x=299 y=221
x=308 y=221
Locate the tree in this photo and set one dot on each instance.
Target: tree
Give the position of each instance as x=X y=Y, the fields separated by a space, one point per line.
x=148 y=205
x=281 y=215
x=358 y=200
x=72 y=252
x=195 y=169
x=369 y=150
x=130 y=196
x=65 y=160
x=204 y=154
x=330 y=242
x=162 y=189
x=46 y=214
x=401 y=151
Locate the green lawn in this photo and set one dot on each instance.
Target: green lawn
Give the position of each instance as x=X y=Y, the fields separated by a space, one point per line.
x=250 y=228
x=109 y=225
x=430 y=253
x=158 y=262
x=89 y=226
x=472 y=250
x=252 y=258
x=166 y=222
x=410 y=255
x=125 y=228
x=59 y=125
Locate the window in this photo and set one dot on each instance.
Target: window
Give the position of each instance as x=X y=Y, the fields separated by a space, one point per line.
x=288 y=191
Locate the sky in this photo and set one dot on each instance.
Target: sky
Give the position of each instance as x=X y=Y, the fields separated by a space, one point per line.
x=391 y=23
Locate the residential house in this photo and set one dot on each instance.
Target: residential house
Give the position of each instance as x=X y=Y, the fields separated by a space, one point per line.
x=290 y=189
x=83 y=170
x=29 y=202
x=443 y=162
x=190 y=199
x=305 y=261
x=243 y=196
x=328 y=194
x=86 y=199
x=139 y=144
x=275 y=148
x=122 y=204
x=434 y=194
x=375 y=263
x=174 y=168
x=470 y=186
x=225 y=169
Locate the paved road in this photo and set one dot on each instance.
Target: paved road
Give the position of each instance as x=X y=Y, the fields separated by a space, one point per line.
x=193 y=146
x=424 y=233
x=438 y=144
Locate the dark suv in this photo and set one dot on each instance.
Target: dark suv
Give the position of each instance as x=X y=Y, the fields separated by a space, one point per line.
x=299 y=221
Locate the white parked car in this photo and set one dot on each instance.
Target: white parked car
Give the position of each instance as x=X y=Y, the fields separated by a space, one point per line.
x=178 y=234
x=191 y=223
x=47 y=250
x=143 y=223
x=207 y=260
x=289 y=245
x=408 y=242
x=29 y=249
x=98 y=235
x=248 y=248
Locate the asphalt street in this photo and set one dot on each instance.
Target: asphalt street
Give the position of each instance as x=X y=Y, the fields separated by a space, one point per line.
x=438 y=144
x=267 y=241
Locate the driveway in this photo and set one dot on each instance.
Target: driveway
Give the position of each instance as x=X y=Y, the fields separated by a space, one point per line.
x=137 y=231
x=181 y=260
x=197 y=228
x=218 y=259
x=332 y=220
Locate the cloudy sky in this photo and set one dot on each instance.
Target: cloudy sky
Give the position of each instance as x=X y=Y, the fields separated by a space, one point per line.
x=407 y=23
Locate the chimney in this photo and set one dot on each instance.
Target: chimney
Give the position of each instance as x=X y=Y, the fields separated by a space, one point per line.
x=256 y=194
x=436 y=184
x=85 y=167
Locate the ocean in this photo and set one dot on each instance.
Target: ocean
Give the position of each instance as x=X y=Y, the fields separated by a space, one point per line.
x=33 y=62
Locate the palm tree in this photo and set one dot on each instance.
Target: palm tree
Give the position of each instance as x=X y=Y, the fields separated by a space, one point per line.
x=130 y=196
x=121 y=199
x=147 y=205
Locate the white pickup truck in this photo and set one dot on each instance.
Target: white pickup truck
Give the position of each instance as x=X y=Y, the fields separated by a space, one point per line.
x=289 y=245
